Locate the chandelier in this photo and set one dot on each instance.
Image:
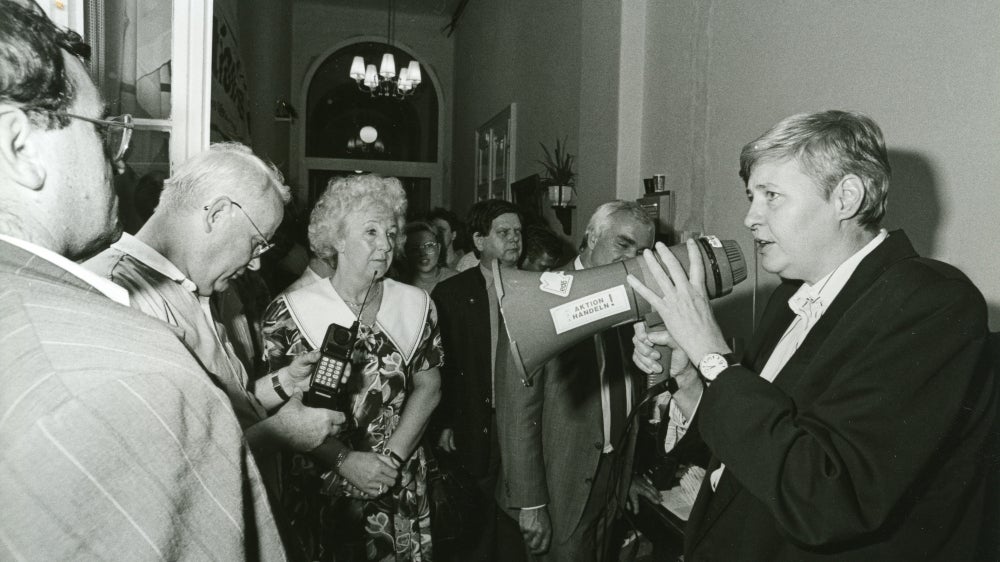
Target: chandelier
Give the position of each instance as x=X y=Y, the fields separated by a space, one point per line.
x=385 y=81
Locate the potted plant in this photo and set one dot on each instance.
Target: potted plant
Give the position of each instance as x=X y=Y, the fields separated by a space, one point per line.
x=558 y=165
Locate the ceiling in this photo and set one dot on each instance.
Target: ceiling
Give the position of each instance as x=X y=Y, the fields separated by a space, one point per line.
x=432 y=7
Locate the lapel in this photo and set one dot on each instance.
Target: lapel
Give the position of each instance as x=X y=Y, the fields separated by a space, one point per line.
x=22 y=263
x=895 y=248
x=710 y=505
x=476 y=307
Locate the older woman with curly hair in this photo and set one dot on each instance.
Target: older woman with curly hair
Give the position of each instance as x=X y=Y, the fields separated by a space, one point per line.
x=365 y=497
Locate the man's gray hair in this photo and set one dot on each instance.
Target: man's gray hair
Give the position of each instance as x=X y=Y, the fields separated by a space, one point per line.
x=227 y=168
x=601 y=219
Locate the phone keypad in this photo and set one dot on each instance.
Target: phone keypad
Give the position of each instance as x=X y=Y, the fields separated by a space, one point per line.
x=329 y=372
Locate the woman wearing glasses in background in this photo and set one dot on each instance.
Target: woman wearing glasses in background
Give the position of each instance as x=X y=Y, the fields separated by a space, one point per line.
x=423 y=250
x=370 y=502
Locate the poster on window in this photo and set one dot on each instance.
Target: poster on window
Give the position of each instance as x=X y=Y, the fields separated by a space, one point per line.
x=230 y=120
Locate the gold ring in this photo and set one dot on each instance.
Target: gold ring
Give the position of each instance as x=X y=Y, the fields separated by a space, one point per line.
x=381 y=488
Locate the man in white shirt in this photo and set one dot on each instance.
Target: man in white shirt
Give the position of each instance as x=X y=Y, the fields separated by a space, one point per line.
x=852 y=428
x=216 y=215
x=114 y=443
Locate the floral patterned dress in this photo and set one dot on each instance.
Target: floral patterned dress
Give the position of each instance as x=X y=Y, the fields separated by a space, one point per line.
x=327 y=516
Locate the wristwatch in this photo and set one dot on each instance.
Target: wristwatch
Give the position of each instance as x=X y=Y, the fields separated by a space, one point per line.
x=714 y=363
x=278 y=389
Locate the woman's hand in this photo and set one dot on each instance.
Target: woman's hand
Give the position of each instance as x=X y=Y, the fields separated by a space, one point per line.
x=646 y=356
x=370 y=473
x=683 y=306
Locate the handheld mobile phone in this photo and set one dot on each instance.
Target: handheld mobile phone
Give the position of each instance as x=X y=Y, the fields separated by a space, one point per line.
x=330 y=371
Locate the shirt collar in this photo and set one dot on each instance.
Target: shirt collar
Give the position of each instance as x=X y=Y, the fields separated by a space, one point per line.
x=487 y=273
x=141 y=251
x=578 y=263
x=813 y=299
x=105 y=286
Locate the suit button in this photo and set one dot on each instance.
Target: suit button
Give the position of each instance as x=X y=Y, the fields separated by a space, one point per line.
x=588 y=480
x=599 y=445
x=487 y=401
x=486 y=430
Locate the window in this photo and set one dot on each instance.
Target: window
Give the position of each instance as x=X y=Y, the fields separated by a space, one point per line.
x=346 y=129
x=400 y=130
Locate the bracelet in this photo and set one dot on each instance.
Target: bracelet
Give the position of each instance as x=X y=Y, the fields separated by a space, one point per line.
x=341 y=457
x=395 y=456
x=278 y=389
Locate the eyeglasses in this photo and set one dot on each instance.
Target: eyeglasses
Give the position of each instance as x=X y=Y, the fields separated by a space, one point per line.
x=261 y=247
x=423 y=248
x=116 y=132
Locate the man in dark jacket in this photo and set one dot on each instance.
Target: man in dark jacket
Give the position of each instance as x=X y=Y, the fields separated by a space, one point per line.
x=468 y=316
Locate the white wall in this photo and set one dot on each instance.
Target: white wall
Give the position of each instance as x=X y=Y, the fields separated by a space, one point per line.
x=720 y=72
x=318 y=27
x=515 y=51
x=266 y=43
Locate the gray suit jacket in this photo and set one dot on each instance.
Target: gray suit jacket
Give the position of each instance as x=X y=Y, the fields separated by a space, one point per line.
x=552 y=435
x=113 y=442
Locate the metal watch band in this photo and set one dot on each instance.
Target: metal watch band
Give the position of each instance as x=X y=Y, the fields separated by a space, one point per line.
x=278 y=389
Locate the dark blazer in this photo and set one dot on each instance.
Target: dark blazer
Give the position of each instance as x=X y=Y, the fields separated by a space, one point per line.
x=464 y=320
x=552 y=434
x=865 y=446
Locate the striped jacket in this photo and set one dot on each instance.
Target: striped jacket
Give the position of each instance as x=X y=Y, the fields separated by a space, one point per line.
x=114 y=443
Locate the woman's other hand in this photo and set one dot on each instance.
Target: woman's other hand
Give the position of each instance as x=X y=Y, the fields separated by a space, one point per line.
x=371 y=473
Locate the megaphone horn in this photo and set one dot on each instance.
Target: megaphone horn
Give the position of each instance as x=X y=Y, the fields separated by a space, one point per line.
x=546 y=313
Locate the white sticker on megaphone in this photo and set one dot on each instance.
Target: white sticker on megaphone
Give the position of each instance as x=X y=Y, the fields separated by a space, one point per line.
x=556 y=283
x=590 y=308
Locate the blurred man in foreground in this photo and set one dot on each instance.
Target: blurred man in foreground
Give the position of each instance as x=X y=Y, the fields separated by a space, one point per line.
x=852 y=428
x=114 y=443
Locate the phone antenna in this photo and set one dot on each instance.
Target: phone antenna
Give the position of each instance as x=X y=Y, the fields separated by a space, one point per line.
x=368 y=292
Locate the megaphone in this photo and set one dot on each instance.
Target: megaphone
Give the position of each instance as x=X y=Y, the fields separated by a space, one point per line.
x=546 y=313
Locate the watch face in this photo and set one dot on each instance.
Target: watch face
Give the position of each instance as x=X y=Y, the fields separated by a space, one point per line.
x=711 y=365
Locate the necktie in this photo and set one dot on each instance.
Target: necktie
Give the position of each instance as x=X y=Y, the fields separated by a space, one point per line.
x=500 y=358
x=615 y=377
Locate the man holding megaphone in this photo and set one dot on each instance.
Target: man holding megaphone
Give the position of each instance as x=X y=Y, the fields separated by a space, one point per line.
x=854 y=425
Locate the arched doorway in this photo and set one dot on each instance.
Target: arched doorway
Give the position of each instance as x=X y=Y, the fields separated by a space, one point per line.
x=401 y=136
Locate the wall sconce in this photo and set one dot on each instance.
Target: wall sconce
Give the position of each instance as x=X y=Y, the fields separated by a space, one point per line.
x=284 y=112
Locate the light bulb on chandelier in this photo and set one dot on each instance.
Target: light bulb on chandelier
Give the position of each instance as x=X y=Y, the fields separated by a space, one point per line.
x=385 y=81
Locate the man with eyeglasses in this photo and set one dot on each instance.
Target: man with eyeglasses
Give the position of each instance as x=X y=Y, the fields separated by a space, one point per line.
x=114 y=443
x=201 y=237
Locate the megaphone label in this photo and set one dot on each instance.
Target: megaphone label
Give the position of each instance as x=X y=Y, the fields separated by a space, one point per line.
x=590 y=308
x=556 y=283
